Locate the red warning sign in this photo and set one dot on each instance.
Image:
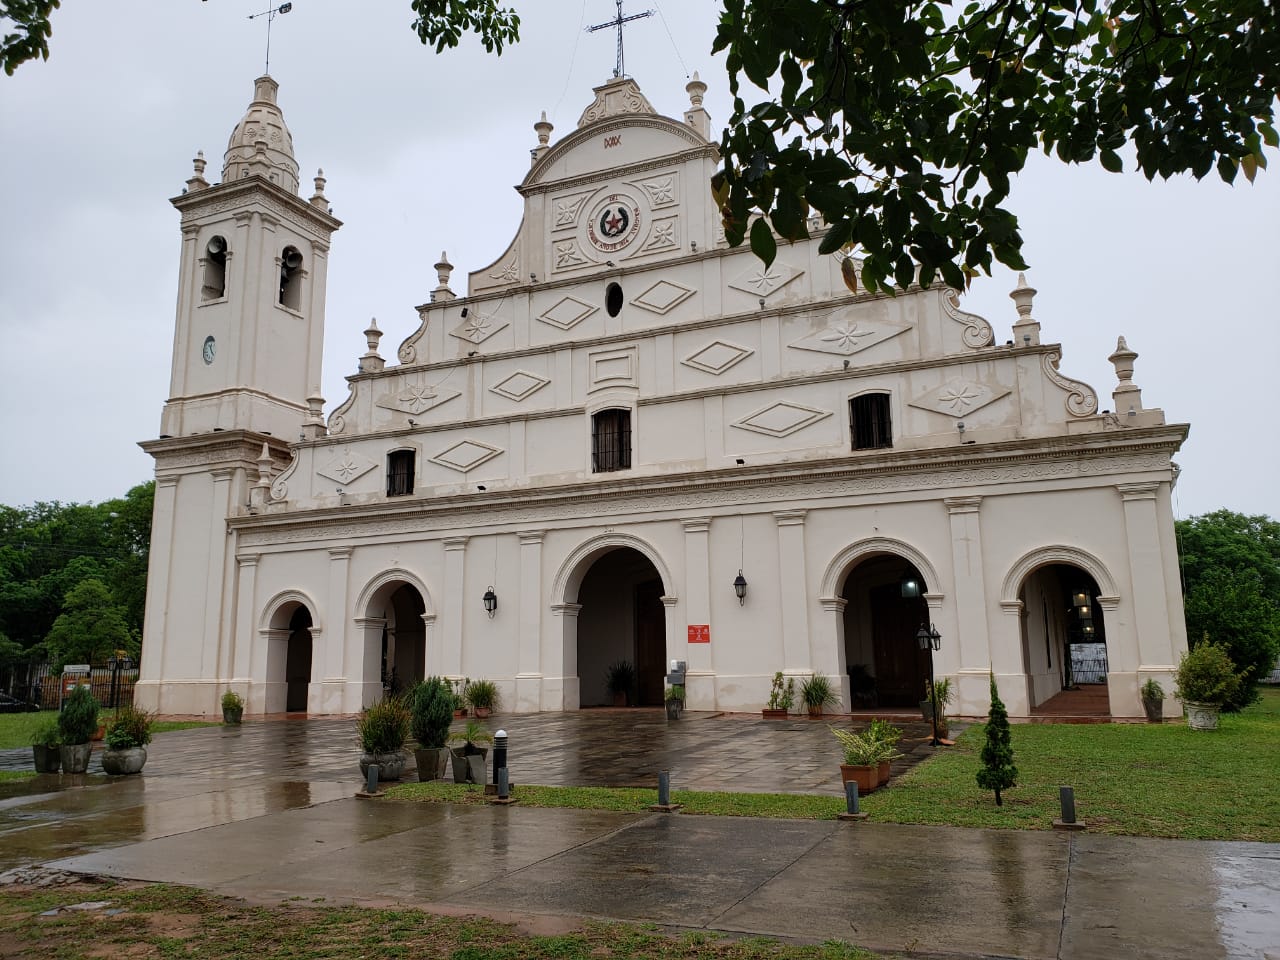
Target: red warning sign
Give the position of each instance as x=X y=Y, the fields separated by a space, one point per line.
x=699 y=633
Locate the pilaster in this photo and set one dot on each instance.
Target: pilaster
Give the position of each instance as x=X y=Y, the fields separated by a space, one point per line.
x=529 y=626
x=796 y=655
x=455 y=597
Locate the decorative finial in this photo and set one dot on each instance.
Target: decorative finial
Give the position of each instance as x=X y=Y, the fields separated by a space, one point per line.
x=313 y=427
x=1022 y=296
x=443 y=269
x=264 y=466
x=1127 y=395
x=1123 y=359
x=197 y=181
x=695 y=88
x=318 y=198
x=543 y=128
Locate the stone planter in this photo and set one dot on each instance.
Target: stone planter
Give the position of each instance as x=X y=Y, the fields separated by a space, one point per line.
x=390 y=765
x=673 y=709
x=123 y=762
x=432 y=762
x=75 y=757
x=867 y=778
x=468 y=765
x=1202 y=716
x=47 y=759
x=232 y=716
x=1154 y=709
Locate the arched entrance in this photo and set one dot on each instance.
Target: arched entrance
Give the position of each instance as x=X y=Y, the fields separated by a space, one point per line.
x=403 y=656
x=297 y=661
x=622 y=619
x=1064 y=639
x=884 y=607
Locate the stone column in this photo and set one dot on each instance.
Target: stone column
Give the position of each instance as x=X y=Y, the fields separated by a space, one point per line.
x=564 y=692
x=211 y=630
x=975 y=650
x=240 y=672
x=156 y=611
x=337 y=660
x=270 y=656
x=455 y=597
x=831 y=635
x=367 y=678
x=797 y=659
x=529 y=627
x=700 y=680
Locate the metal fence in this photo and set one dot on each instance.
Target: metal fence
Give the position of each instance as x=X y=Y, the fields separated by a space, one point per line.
x=112 y=684
x=1088 y=663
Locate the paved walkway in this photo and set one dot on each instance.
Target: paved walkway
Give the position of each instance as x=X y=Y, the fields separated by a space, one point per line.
x=267 y=812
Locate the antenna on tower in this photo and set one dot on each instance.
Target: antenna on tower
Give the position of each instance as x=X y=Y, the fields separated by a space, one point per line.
x=618 y=22
x=270 y=15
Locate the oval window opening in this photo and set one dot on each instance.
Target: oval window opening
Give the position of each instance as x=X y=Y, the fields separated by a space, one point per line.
x=613 y=299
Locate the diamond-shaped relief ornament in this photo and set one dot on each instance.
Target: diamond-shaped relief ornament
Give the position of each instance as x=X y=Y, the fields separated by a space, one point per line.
x=347 y=466
x=845 y=336
x=567 y=313
x=479 y=327
x=717 y=357
x=416 y=399
x=782 y=419
x=519 y=385
x=465 y=455
x=662 y=297
x=956 y=398
x=761 y=281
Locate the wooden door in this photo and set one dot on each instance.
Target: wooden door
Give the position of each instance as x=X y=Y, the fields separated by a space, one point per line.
x=651 y=643
x=901 y=666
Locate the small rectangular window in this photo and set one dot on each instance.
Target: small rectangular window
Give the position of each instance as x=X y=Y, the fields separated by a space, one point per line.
x=400 y=464
x=611 y=441
x=869 y=422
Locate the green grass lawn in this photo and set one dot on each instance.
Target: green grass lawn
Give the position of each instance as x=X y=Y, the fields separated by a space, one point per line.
x=157 y=920
x=1134 y=779
x=16 y=729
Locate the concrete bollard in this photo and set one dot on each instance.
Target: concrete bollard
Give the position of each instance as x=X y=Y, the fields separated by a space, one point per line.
x=499 y=753
x=851 y=803
x=504 y=786
x=664 y=789
x=371 y=785
x=1067 y=801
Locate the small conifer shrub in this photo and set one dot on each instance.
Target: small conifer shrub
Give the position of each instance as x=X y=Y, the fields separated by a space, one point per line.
x=998 y=772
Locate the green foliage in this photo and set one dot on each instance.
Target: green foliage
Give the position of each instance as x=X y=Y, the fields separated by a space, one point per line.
x=782 y=696
x=902 y=124
x=383 y=727
x=1231 y=586
x=675 y=692
x=431 y=709
x=816 y=691
x=47 y=733
x=620 y=678
x=1206 y=675
x=78 y=720
x=1151 y=690
x=31 y=37
x=232 y=701
x=130 y=727
x=90 y=628
x=878 y=743
x=483 y=693
x=997 y=772
x=941 y=688
x=442 y=22
x=472 y=735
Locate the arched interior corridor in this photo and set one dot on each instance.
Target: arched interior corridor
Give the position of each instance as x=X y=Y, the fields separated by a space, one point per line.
x=621 y=619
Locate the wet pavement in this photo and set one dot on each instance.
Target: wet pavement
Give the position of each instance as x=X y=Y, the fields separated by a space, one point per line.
x=267 y=812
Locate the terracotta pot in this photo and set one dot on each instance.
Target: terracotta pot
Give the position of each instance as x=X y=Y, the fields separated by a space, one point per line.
x=1202 y=716
x=884 y=771
x=482 y=712
x=773 y=714
x=122 y=762
x=816 y=710
x=867 y=778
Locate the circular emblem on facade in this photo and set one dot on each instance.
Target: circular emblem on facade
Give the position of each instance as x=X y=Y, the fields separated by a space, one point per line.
x=614 y=223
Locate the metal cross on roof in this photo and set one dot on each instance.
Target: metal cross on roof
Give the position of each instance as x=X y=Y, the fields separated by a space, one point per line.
x=271 y=15
x=618 y=22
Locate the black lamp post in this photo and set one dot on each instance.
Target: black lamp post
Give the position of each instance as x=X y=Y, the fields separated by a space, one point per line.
x=930 y=639
x=490 y=602
x=740 y=588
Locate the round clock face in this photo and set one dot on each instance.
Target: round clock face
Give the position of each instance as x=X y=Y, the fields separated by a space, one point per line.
x=210 y=349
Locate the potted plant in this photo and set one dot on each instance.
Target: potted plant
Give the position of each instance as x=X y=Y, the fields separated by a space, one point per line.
x=483 y=697
x=817 y=692
x=469 y=759
x=674 y=699
x=458 y=689
x=941 y=688
x=45 y=742
x=232 y=708
x=383 y=729
x=127 y=737
x=887 y=734
x=1206 y=679
x=431 y=710
x=1153 y=700
x=620 y=681
x=782 y=697
x=863 y=754
x=77 y=724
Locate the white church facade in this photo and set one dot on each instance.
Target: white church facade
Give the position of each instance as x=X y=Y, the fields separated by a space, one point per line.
x=571 y=462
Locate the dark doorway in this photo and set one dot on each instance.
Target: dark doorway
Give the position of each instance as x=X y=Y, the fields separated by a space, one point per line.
x=622 y=619
x=297 y=670
x=886 y=666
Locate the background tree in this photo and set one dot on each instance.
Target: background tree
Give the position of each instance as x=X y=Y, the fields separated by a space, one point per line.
x=90 y=628
x=29 y=22
x=1231 y=591
x=997 y=772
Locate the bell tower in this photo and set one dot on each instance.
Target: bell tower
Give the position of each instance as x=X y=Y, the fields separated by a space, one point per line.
x=250 y=319
x=247 y=351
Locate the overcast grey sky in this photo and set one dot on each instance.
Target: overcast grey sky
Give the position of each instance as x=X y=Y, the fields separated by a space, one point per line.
x=421 y=152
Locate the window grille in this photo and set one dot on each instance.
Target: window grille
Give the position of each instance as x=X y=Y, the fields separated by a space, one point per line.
x=869 y=422
x=400 y=464
x=611 y=441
